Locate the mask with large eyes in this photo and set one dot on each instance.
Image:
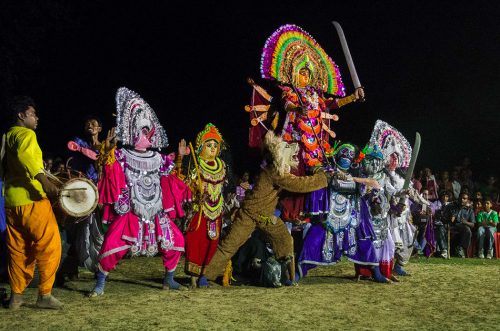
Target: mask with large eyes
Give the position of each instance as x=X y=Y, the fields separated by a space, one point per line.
x=372 y=166
x=344 y=157
x=209 y=150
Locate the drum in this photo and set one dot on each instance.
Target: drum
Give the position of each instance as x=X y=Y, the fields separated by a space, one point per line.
x=78 y=197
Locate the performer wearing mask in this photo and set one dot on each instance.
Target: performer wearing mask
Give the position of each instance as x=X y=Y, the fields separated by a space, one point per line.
x=140 y=198
x=258 y=208
x=311 y=87
x=207 y=178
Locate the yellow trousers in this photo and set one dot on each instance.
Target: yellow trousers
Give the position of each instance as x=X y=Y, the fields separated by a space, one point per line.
x=32 y=237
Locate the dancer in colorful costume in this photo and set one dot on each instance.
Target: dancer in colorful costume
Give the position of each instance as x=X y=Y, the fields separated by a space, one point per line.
x=207 y=177
x=375 y=260
x=397 y=155
x=140 y=198
x=258 y=208
x=346 y=226
x=311 y=86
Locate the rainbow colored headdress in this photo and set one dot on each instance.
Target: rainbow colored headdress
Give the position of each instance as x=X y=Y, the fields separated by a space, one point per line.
x=210 y=132
x=290 y=49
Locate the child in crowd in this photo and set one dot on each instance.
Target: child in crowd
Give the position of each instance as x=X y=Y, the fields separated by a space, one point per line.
x=487 y=220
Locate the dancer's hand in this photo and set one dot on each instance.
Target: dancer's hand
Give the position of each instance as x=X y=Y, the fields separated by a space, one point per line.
x=182 y=148
x=359 y=94
x=110 y=141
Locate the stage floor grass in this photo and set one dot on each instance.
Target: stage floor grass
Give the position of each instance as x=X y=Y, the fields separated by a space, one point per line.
x=456 y=294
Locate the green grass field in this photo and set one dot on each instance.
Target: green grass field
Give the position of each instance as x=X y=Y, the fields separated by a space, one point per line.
x=456 y=294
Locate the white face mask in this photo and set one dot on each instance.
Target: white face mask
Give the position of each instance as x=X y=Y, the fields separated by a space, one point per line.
x=289 y=153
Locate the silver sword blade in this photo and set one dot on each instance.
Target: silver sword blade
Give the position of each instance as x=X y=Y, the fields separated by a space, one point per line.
x=413 y=161
x=347 y=54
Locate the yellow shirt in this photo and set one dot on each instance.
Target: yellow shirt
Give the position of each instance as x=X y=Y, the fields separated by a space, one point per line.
x=23 y=162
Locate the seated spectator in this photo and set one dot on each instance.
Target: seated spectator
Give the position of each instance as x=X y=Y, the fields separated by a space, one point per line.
x=478 y=207
x=429 y=183
x=445 y=184
x=463 y=222
x=440 y=220
x=465 y=190
x=478 y=196
x=457 y=187
x=417 y=185
x=422 y=219
x=466 y=179
x=487 y=220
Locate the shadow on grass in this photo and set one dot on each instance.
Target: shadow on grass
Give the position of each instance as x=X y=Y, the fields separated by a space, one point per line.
x=327 y=279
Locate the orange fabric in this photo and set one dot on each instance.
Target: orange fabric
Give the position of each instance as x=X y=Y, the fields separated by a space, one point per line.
x=32 y=237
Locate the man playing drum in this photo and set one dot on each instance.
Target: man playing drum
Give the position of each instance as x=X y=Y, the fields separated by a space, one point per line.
x=32 y=232
x=84 y=233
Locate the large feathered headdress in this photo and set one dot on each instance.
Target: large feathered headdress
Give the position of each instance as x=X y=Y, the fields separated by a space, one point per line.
x=134 y=114
x=290 y=49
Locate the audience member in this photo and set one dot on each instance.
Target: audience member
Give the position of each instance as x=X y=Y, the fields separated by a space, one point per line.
x=487 y=221
x=429 y=183
x=463 y=221
x=440 y=221
x=455 y=182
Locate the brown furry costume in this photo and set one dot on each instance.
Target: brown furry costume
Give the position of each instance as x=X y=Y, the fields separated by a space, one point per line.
x=258 y=209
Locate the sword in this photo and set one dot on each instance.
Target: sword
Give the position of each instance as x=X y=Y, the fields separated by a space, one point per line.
x=348 y=57
x=413 y=161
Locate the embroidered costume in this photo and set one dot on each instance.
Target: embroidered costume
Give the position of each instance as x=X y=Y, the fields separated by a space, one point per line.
x=311 y=87
x=139 y=195
x=202 y=235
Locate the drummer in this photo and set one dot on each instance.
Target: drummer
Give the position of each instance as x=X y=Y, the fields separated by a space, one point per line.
x=86 y=150
x=83 y=240
x=32 y=232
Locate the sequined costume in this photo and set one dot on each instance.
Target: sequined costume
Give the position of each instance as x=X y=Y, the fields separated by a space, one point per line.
x=346 y=230
x=397 y=154
x=376 y=205
x=287 y=53
x=139 y=195
x=202 y=235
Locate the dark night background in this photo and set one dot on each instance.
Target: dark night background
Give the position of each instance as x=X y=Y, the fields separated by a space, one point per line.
x=431 y=67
